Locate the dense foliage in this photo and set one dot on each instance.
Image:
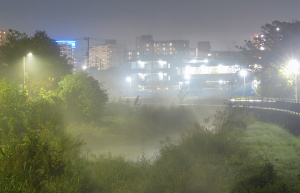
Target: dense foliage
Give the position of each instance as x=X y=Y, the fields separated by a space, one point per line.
x=13 y=106
x=84 y=96
x=268 y=55
x=43 y=69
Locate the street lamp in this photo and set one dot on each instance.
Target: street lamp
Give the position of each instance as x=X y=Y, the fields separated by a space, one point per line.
x=187 y=83
x=24 y=57
x=243 y=73
x=129 y=80
x=293 y=67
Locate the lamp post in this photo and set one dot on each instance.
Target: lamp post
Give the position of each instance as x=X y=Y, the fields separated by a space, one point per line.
x=129 y=80
x=293 y=67
x=188 y=77
x=24 y=64
x=244 y=73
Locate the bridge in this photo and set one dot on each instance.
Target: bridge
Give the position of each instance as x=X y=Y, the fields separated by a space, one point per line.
x=284 y=112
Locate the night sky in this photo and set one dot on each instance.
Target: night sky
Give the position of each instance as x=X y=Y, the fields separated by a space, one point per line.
x=219 y=21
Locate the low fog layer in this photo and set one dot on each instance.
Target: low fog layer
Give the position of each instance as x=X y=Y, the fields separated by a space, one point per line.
x=98 y=140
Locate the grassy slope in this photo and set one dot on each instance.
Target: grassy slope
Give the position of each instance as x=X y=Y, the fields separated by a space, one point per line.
x=276 y=144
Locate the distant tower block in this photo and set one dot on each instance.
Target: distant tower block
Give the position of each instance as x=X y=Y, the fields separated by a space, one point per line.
x=204 y=46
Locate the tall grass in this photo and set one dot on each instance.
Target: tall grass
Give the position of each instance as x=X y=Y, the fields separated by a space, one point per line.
x=277 y=145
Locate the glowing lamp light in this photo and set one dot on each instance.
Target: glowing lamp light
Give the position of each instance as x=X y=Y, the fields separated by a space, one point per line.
x=293 y=66
x=128 y=79
x=193 y=61
x=187 y=76
x=29 y=54
x=162 y=62
x=140 y=62
x=243 y=73
x=84 y=67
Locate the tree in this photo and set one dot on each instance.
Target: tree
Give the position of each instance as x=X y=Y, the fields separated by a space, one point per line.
x=44 y=69
x=84 y=96
x=268 y=54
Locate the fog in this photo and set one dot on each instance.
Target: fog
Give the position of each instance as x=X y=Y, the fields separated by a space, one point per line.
x=132 y=145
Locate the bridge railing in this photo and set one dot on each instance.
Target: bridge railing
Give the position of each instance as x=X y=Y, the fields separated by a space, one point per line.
x=288 y=105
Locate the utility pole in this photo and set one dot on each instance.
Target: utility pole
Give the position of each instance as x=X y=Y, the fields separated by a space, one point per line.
x=88 y=51
x=152 y=49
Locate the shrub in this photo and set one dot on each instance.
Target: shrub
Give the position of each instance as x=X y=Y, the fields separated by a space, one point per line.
x=40 y=162
x=84 y=96
x=13 y=106
x=261 y=178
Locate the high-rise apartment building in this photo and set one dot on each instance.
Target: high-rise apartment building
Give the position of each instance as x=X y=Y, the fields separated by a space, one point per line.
x=148 y=49
x=66 y=50
x=106 y=56
x=144 y=47
x=175 y=48
x=3 y=34
x=204 y=48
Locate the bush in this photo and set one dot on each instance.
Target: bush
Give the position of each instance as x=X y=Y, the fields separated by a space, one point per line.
x=13 y=106
x=40 y=162
x=42 y=112
x=84 y=96
x=261 y=178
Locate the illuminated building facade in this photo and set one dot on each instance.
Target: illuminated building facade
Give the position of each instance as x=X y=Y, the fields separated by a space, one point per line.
x=67 y=50
x=151 y=73
x=174 y=48
x=148 y=49
x=3 y=34
x=106 y=56
x=144 y=47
